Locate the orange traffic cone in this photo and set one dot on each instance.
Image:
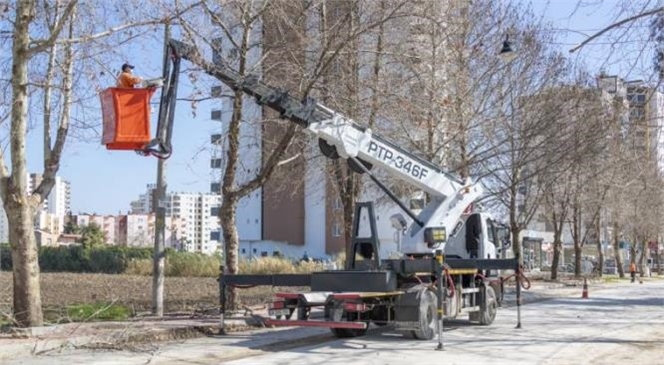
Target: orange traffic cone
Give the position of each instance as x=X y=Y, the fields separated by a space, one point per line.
x=584 y=294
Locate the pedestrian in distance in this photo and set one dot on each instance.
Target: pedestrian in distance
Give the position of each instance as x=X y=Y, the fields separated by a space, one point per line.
x=632 y=271
x=126 y=79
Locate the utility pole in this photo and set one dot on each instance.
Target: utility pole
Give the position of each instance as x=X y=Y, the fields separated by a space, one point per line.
x=159 y=203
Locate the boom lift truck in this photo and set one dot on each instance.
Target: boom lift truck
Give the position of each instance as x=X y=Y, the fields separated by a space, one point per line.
x=451 y=250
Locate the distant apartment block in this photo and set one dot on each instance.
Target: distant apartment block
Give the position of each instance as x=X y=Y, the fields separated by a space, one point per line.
x=643 y=119
x=196 y=214
x=50 y=218
x=133 y=230
x=107 y=223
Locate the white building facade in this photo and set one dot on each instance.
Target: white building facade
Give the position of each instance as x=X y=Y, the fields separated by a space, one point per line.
x=195 y=216
x=51 y=217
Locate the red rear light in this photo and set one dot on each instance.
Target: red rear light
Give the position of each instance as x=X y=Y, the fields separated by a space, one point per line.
x=277 y=305
x=355 y=307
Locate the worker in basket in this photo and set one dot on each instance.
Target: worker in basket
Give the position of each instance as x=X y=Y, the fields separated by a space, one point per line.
x=127 y=79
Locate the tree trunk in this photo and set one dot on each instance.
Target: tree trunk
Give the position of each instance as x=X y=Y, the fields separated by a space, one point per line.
x=231 y=243
x=516 y=243
x=577 y=259
x=27 y=298
x=557 y=247
x=642 y=256
x=348 y=202
x=616 y=250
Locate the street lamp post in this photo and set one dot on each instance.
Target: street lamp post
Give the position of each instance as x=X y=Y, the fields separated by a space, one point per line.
x=507 y=53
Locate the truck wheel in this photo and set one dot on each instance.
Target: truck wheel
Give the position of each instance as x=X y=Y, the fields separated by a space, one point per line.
x=348 y=332
x=490 y=307
x=428 y=323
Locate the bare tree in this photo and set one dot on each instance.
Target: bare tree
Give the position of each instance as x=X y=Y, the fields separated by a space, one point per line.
x=290 y=54
x=46 y=36
x=21 y=207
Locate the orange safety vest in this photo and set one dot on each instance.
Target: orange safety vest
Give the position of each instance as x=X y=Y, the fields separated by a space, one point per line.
x=128 y=80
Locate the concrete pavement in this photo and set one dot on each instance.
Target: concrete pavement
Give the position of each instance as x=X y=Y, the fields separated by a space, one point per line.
x=77 y=343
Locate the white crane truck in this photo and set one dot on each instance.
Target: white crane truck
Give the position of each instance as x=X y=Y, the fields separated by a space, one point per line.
x=451 y=252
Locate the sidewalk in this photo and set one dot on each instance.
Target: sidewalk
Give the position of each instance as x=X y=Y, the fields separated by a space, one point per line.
x=145 y=331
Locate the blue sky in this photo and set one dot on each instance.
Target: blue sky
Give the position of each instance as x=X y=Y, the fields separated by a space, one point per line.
x=104 y=182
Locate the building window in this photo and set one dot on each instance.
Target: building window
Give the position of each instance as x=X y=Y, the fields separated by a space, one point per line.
x=336 y=229
x=215 y=163
x=263 y=253
x=254 y=250
x=244 y=250
x=215 y=236
x=214 y=211
x=215 y=115
x=215 y=187
x=337 y=204
x=215 y=91
x=215 y=139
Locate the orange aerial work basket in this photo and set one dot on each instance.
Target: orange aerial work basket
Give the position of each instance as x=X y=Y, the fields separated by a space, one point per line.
x=126 y=118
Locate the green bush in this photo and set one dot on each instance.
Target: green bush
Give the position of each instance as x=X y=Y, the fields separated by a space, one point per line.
x=64 y=258
x=138 y=261
x=98 y=312
x=76 y=258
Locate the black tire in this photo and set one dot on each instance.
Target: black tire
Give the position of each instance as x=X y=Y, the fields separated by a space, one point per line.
x=348 y=332
x=428 y=323
x=489 y=308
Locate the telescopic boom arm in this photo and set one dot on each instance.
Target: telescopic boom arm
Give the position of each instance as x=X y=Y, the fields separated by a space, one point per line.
x=341 y=137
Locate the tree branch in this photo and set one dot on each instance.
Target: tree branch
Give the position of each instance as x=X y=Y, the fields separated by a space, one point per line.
x=64 y=18
x=52 y=157
x=615 y=25
x=270 y=164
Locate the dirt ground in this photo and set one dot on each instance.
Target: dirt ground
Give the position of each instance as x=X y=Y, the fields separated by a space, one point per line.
x=181 y=294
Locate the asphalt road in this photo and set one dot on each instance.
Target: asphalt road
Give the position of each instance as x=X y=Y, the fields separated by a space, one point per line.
x=620 y=324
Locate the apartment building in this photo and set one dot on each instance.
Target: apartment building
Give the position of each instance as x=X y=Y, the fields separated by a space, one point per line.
x=642 y=121
x=298 y=210
x=646 y=119
x=200 y=212
x=133 y=230
x=51 y=217
x=107 y=224
x=193 y=215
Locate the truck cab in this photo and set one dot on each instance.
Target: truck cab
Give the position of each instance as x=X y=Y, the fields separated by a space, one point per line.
x=476 y=236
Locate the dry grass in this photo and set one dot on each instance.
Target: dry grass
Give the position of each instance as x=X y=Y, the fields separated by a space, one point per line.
x=208 y=266
x=275 y=265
